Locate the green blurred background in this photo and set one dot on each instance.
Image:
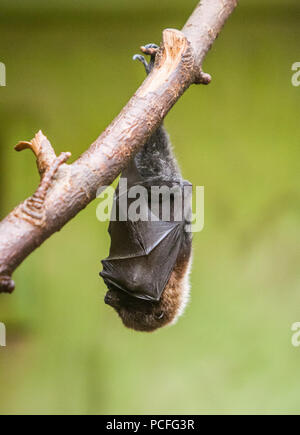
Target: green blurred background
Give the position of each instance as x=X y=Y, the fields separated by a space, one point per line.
x=69 y=72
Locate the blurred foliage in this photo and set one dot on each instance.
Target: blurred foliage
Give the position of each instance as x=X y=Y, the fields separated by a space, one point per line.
x=69 y=72
x=34 y=5
x=119 y=5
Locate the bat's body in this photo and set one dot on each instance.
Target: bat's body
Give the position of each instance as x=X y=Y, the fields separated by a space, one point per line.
x=147 y=270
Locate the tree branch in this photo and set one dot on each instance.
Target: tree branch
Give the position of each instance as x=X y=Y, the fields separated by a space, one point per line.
x=42 y=148
x=67 y=189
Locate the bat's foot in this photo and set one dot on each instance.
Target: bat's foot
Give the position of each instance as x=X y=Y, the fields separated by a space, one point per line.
x=151 y=50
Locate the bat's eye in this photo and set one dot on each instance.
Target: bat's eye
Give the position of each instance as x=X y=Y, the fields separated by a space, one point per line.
x=160 y=315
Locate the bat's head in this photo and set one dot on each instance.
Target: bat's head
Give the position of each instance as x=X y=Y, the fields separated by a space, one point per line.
x=148 y=316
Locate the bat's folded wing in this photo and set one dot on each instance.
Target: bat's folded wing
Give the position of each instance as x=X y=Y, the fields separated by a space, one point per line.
x=142 y=257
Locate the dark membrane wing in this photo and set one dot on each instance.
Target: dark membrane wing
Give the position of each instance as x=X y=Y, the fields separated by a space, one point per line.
x=152 y=233
x=145 y=277
x=135 y=238
x=142 y=253
x=125 y=242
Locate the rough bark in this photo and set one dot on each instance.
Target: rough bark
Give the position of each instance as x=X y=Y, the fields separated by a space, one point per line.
x=66 y=189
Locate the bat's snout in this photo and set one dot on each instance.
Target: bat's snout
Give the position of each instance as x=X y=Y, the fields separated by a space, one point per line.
x=112 y=298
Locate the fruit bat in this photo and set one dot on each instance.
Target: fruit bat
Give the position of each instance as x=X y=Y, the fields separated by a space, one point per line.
x=149 y=261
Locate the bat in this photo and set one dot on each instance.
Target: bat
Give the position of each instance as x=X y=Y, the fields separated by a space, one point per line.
x=147 y=270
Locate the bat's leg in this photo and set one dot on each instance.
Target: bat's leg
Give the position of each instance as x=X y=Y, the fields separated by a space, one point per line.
x=151 y=50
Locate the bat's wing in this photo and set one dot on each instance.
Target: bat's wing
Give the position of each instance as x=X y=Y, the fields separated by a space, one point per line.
x=142 y=257
x=142 y=253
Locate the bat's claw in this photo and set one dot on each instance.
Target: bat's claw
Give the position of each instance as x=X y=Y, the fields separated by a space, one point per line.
x=151 y=50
